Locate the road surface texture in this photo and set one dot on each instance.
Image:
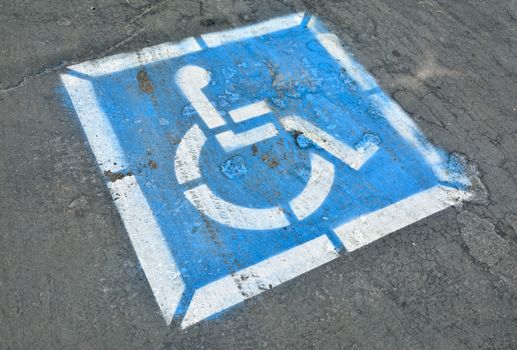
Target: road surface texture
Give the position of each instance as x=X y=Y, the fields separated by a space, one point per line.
x=69 y=278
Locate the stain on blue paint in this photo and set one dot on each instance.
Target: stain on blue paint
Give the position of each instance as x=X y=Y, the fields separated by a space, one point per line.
x=302 y=141
x=234 y=167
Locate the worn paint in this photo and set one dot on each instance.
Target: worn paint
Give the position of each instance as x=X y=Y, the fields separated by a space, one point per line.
x=276 y=150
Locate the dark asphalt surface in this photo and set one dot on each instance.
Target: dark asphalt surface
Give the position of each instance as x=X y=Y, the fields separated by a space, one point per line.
x=69 y=278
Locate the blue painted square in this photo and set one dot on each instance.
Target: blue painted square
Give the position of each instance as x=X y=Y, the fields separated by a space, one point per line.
x=294 y=74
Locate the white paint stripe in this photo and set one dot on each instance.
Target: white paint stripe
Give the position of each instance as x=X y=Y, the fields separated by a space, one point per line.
x=211 y=299
x=285 y=266
x=233 y=215
x=251 y=281
x=399 y=119
x=266 y=27
x=97 y=128
x=407 y=128
x=145 y=235
x=230 y=141
x=150 y=246
x=117 y=63
x=191 y=79
x=250 y=111
x=186 y=162
x=354 y=158
x=333 y=45
x=368 y=228
x=317 y=189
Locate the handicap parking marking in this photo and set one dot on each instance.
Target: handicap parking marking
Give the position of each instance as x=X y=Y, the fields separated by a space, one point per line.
x=241 y=159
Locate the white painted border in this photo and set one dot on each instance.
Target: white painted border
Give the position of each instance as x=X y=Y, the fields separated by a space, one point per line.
x=161 y=52
x=231 y=290
x=162 y=274
x=149 y=244
x=143 y=230
x=96 y=126
x=120 y=62
x=368 y=228
x=254 y=30
x=145 y=234
x=251 y=281
x=398 y=119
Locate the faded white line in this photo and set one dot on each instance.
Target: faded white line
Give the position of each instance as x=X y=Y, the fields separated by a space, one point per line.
x=233 y=215
x=249 y=282
x=97 y=128
x=191 y=79
x=120 y=62
x=316 y=190
x=398 y=119
x=186 y=162
x=370 y=227
x=145 y=235
x=408 y=129
x=262 y=28
x=354 y=158
x=230 y=141
x=211 y=299
x=149 y=244
x=333 y=45
x=250 y=111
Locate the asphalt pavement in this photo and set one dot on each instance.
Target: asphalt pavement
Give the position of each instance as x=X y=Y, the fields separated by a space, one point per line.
x=70 y=279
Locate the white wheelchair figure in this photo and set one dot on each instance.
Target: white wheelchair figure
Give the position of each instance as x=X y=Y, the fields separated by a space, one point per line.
x=192 y=79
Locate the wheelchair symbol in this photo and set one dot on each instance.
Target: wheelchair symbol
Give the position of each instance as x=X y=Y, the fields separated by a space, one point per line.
x=191 y=80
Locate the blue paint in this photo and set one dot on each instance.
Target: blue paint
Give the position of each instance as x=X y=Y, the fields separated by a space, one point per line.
x=292 y=72
x=234 y=167
x=367 y=139
x=302 y=141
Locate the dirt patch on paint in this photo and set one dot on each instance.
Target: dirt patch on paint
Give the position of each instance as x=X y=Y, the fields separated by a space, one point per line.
x=270 y=162
x=116 y=176
x=273 y=163
x=153 y=164
x=144 y=83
